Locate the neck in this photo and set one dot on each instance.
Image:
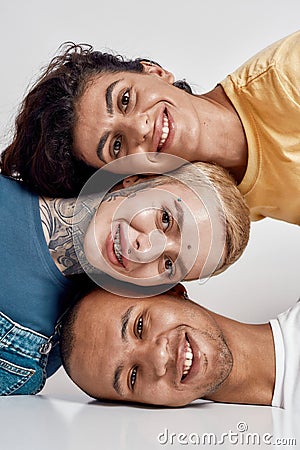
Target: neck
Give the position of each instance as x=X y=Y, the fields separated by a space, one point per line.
x=227 y=134
x=57 y=223
x=252 y=377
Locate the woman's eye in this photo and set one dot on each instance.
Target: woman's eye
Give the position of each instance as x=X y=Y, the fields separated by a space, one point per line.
x=133 y=377
x=139 y=327
x=125 y=100
x=169 y=267
x=165 y=218
x=117 y=146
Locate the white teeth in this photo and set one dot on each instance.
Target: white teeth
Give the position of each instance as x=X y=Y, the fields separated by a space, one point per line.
x=165 y=131
x=188 y=359
x=189 y=355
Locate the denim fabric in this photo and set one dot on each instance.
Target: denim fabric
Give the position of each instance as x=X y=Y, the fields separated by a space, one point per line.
x=22 y=358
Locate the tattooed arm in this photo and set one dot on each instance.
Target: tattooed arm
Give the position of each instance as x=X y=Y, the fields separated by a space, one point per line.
x=56 y=216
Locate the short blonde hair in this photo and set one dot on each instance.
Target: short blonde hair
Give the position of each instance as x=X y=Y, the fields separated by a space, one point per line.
x=236 y=212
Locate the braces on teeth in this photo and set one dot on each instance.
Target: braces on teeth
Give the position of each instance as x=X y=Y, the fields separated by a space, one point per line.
x=117 y=246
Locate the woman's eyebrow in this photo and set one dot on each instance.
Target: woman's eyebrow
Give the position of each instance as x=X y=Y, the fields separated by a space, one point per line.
x=108 y=97
x=100 y=147
x=110 y=111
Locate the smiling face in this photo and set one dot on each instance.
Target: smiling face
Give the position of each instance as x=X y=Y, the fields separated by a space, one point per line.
x=158 y=235
x=161 y=350
x=126 y=113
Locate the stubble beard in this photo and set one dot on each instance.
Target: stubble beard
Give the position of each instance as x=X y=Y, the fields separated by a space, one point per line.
x=223 y=365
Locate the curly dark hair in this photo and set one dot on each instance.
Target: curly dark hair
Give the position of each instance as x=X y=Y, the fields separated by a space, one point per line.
x=41 y=152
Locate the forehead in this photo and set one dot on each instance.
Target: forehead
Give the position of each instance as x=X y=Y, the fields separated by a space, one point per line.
x=185 y=205
x=103 y=304
x=100 y=82
x=99 y=304
x=179 y=191
x=109 y=303
x=170 y=191
x=93 y=95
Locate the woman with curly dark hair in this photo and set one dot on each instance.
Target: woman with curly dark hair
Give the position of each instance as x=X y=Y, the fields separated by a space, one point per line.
x=90 y=108
x=41 y=153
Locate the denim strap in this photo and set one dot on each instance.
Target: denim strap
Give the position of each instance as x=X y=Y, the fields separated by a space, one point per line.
x=27 y=342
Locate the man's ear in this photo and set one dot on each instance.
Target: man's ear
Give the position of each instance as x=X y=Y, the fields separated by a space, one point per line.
x=179 y=291
x=154 y=69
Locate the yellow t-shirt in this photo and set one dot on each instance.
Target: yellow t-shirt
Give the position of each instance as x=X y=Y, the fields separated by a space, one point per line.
x=265 y=92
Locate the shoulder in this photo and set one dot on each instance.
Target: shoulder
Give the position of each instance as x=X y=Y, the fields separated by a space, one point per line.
x=12 y=190
x=291 y=317
x=10 y=184
x=281 y=59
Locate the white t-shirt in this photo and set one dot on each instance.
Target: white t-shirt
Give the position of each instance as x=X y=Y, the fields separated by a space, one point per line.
x=286 y=334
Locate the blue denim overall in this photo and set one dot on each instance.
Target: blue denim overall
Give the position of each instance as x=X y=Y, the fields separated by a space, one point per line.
x=23 y=358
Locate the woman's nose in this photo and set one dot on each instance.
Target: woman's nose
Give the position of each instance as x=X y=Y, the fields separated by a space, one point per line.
x=138 y=129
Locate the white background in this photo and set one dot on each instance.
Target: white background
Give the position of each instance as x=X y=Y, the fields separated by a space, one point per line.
x=201 y=41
